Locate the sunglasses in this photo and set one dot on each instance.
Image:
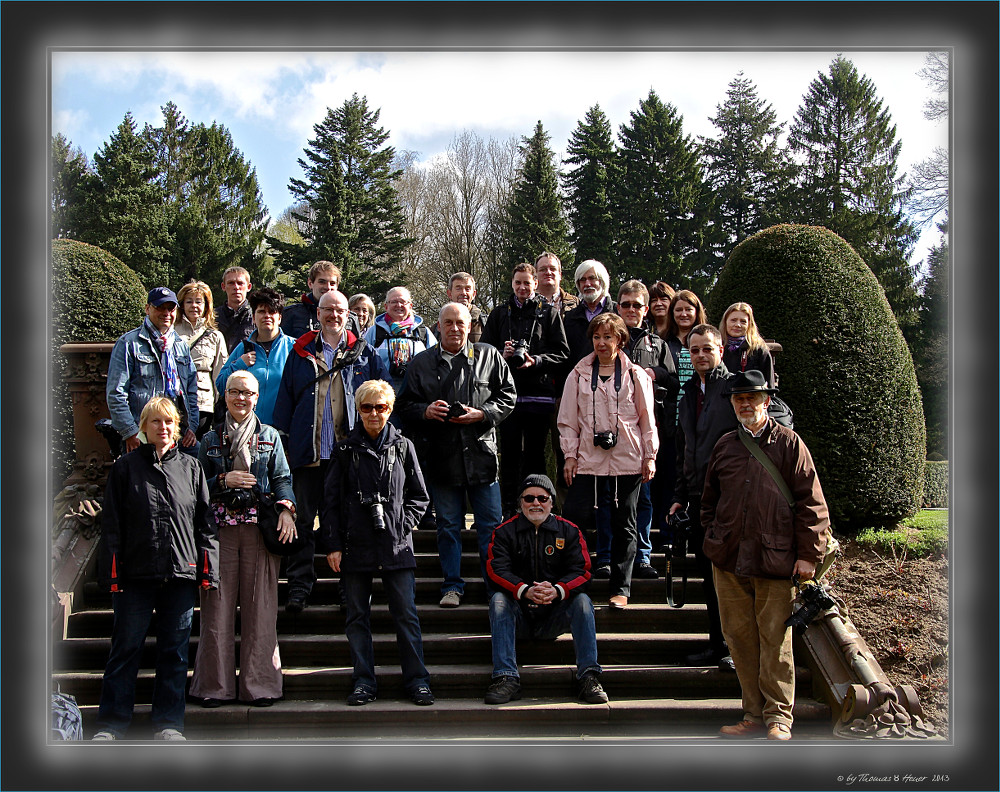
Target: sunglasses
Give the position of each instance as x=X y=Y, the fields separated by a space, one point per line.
x=630 y=304
x=533 y=498
x=379 y=408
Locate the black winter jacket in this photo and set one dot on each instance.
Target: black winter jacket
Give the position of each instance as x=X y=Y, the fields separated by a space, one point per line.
x=156 y=523
x=539 y=323
x=359 y=470
x=742 y=359
x=647 y=350
x=696 y=437
x=576 y=324
x=519 y=556
x=454 y=453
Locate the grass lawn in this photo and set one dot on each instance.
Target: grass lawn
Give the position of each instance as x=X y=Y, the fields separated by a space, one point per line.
x=923 y=534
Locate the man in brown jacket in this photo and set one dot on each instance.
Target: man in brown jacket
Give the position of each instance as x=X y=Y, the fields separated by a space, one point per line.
x=756 y=543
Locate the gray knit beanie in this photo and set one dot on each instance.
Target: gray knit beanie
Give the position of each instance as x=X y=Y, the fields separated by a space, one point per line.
x=538 y=480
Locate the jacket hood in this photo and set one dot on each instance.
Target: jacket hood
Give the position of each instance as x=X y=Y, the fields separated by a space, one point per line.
x=305 y=345
x=358 y=435
x=308 y=299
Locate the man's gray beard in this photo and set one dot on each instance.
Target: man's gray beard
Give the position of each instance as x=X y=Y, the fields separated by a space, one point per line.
x=750 y=423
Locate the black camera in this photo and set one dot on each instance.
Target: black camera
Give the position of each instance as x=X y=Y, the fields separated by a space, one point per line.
x=455 y=410
x=374 y=503
x=520 y=354
x=679 y=524
x=605 y=440
x=239 y=498
x=813 y=599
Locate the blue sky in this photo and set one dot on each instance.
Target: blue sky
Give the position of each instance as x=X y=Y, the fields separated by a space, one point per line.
x=270 y=100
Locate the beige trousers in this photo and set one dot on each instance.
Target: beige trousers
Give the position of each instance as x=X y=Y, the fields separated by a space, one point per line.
x=753 y=612
x=248 y=579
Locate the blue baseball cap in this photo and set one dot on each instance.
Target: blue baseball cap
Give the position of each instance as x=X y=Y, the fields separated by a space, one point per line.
x=160 y=295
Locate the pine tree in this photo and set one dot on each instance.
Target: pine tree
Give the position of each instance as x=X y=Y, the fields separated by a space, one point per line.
x=931 y=353
x=125 y=204
x=536 y=218
x=656 y=195
x=847 y=144
x=353 y=216
x=749 y=172
x=591 y=149
x=70 y=171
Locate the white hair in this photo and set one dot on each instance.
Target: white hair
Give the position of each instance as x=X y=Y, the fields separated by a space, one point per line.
x=244 y=375
x=599 y=270
x=403 y=292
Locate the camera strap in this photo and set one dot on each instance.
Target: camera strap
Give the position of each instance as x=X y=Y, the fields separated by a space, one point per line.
x=391 y=461
x=761 y=457
x=594 y=378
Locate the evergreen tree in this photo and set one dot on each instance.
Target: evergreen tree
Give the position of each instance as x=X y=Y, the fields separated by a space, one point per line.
x=591 y=150
x=70 y=171
x=353 y=216
x=215 y=209
x=848 y=182
x=658 y=201
x=536 y=218
x=931 y=355
x=125 y=206
x=749 y=172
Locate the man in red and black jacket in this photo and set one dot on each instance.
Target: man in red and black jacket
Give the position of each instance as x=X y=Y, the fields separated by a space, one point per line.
x=541 y=566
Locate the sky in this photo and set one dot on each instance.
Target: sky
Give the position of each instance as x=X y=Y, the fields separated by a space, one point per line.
x=271 y=100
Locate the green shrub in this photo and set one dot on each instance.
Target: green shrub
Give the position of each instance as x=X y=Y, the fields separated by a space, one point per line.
x=912 y=542
x=845 y=368
x=936 y=485
x=94 y=298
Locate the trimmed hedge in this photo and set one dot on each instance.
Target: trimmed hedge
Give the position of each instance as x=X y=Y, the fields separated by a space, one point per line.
x=846 y=370
x=95 y=297
x=936 y=485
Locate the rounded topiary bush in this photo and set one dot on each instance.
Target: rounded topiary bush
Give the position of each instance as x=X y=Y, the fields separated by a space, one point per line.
x=95 y=297
x=845 y=368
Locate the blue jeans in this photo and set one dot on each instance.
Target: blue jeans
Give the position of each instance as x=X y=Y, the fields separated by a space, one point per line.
x=509 y=622
x=400 y=590
x=449 y=504
x=174 y=603
x=643 y=524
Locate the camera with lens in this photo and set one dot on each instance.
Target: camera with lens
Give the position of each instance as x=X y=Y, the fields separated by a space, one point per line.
x=375 y=504
x=605 y=440
x=520 y=354
x=455 y=410
x=239 y=498
x=813 y=599
x=679 y=524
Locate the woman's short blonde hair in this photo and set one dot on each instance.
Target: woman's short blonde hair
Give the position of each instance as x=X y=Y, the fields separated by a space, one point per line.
x=754 y=339
x=163 y=407
x=246 y=376
x=365 y=300
x=380 y=389
x=198 y=287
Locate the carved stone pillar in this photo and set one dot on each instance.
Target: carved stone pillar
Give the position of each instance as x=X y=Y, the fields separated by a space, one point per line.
x=86 y=376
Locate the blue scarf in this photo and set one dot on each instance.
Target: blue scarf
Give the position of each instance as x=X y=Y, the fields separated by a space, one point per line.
x=171 y=382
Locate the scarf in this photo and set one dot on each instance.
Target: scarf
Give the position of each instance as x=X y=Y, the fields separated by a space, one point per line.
x=735 y=343
x=239 y=439
x=171 y=382
x=401 y=328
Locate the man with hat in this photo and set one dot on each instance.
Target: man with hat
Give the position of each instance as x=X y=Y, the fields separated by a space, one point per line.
x=541 y=566
x=153 y=360
x=757 y=541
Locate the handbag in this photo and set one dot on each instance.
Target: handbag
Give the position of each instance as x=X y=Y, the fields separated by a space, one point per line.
x=832 y=545
x=267 y=524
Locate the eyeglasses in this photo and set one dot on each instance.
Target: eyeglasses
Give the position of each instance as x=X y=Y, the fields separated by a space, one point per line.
x=236 y=393
x=533 y=498
x=397 y=302
x=379 y=408
x=630 y=304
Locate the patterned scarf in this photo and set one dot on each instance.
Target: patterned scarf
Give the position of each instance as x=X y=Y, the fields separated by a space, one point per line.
x=171 y=382
x=735 y=343
x=401 y=328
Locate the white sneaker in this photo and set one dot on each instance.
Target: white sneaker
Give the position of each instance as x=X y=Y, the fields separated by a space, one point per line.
x=169 y=734
x=103 y=736
x=450 y=600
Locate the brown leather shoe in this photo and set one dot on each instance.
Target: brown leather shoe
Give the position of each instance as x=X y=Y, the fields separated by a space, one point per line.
x=779 y=731
x=743 y=730
x=618 y=602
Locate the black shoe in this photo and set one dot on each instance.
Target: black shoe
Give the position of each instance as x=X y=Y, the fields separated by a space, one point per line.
x=211 y=703
x=709 y=657
x=503 y=689
x=591 y=691
x=726 y=665
x=603 y=572
x=422 y=696
x=263 y=702
x=645 y=571
x=295 y=604
x=360 y=696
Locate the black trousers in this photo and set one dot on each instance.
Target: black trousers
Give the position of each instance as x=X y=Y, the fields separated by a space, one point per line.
x=523 y=435
x=307 y=484
x=715 y=639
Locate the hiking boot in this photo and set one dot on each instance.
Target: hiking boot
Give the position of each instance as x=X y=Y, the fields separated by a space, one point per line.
x=360 y=696
x=743 y=730
x=503 y=689
x=451 y=599
x=645 y=571
x=170 y=735
x=591 y=691
x=422 y=696
x=104 y=736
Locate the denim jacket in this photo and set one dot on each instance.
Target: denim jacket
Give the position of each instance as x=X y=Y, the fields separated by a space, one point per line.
x=267 y=462
x=135 y=375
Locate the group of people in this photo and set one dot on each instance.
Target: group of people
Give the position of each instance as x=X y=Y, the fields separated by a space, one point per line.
x=378 y=424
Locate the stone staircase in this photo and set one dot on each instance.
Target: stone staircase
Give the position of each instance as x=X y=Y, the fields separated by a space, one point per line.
x=642 y=649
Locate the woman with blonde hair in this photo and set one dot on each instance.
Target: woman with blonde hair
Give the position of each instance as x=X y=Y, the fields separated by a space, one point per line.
x=685 y=313
x=362 y=307
x=196 y=325
x=743 y=346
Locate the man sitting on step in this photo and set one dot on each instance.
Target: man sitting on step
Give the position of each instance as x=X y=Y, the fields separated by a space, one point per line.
x=541 y=565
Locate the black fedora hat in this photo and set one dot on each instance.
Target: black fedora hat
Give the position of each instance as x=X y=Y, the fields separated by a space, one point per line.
x=751 y=381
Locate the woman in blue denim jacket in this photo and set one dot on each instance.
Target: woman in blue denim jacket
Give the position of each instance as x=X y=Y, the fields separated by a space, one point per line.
x=242 y=455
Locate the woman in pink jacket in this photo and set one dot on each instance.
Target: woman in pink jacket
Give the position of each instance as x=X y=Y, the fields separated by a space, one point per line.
x=608 y=436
